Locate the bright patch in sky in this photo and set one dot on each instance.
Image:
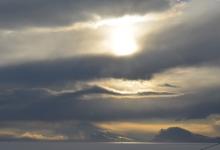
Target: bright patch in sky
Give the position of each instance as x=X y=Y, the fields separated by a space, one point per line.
x=122 y=41
x=122 y=37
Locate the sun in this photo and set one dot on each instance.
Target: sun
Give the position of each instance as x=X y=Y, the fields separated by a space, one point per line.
x=122 y=41
x=122 y=34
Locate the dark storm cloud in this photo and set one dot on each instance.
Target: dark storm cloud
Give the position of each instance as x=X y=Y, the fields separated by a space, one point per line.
x=22 y=13
x=39 y=105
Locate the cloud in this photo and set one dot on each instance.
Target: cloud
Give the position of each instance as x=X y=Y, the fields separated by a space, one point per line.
x=93 y=90
x=28 y=136
x=20 y=13
x=169 y=85
x=58 y=131
x=61 y=72
x=174 y=45
x=39 y=105
x=187 y=41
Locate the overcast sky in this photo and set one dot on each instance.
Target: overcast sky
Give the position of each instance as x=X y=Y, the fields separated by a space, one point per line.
x=95 y=70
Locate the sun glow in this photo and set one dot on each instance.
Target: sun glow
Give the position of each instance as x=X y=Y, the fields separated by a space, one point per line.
x=122 y=34
x=122 y=41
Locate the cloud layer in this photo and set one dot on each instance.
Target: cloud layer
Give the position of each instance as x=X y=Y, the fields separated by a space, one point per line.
x=20 y=13
x=54 y=68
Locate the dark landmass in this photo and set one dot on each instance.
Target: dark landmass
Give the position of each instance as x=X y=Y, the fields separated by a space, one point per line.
x=176 y=134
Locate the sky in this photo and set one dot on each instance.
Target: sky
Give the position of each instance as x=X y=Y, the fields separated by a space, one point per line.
x=108 y=70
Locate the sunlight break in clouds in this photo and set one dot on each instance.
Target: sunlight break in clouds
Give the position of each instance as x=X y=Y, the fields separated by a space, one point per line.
x=109 y=71
x=112 y=36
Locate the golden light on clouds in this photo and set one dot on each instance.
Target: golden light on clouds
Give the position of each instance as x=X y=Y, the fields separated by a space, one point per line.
x=39 y=136
x=125 y=33
x=202 y=127
x=125 y=86
x=118 y=36
x=35 y=135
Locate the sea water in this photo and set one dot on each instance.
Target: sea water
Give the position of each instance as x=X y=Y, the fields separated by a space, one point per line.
x=101 y=146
